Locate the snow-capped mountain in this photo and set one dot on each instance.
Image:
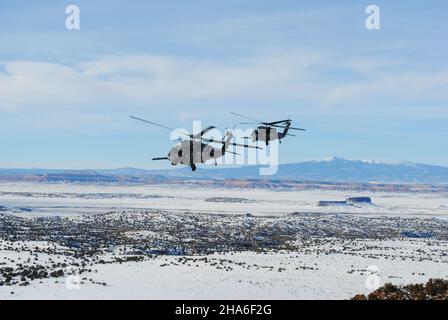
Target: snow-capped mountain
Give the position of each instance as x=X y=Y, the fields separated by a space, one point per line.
x=331 y=170
x=342 y=170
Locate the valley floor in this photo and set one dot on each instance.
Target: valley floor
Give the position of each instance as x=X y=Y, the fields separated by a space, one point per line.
x=323 y=269
x=110 y=242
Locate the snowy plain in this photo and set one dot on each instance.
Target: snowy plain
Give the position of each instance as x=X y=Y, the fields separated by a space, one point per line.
x=68 y=199
x=324 y=268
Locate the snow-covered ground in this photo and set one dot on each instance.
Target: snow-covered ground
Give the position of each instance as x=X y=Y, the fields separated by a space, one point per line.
x=333 y=270
x=338 y=251
x=64 y=199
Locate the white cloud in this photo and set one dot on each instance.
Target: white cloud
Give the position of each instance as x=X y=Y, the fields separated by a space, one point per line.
x=34 y=84
x=402 y=86
x=143 y=81
x=146 y=79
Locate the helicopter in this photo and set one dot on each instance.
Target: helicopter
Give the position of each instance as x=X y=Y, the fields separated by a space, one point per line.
x=267 y=130
x=193 y=150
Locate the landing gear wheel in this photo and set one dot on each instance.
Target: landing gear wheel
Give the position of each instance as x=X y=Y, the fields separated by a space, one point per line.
x=193 y=167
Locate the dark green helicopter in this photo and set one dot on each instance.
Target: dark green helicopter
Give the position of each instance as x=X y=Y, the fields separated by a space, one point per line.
x=267 y=131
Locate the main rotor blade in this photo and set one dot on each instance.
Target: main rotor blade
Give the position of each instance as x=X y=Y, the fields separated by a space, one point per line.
x=292 y=128
x=213 y=140
x=233 y=144
x=245 y=145
x=159 y=125
x=164 y=158
x=240 y=115
x=277 y=126
x=280 y=121
x=199 y=135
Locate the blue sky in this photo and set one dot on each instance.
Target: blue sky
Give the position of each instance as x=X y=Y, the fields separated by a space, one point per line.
x=65 y=95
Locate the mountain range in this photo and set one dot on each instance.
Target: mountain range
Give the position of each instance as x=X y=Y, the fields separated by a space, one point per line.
x=329 y=170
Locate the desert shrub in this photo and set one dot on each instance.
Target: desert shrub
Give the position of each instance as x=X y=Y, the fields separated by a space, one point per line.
x=434 y=289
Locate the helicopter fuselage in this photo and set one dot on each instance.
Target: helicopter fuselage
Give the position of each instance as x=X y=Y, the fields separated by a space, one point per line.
x=265 y=134
x=191 y=152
